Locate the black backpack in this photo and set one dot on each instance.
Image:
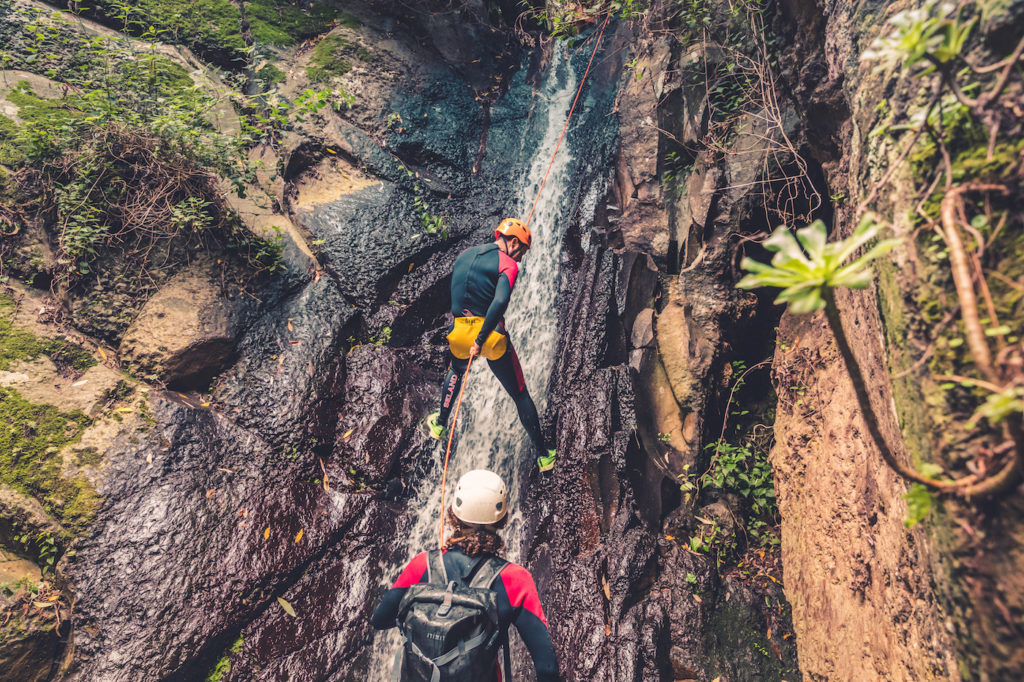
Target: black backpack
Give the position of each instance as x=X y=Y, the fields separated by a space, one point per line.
x=451 y=627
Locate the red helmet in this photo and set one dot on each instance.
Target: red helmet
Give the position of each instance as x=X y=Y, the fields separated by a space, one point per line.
x=513 y=227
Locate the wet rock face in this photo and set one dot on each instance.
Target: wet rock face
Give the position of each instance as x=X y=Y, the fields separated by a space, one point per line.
x=384 y=393
x=626 y=602
x=277 y=484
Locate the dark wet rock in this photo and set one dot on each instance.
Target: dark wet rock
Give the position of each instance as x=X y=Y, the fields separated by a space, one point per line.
x=290 y=364
x=333 y=601
x=198 y=531
x=626 y=600
x=384 y=393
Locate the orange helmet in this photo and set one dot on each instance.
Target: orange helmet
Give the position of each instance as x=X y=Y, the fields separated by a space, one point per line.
x=513 y=227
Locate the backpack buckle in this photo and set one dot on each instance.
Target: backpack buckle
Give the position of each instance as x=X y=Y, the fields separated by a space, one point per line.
x=446 y=605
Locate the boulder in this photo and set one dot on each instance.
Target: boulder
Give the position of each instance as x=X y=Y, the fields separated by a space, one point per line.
x=385 y=396
x=186 y=332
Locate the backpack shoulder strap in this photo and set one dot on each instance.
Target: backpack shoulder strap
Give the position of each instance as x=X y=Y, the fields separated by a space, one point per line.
x=488 y=573
x=436 y=573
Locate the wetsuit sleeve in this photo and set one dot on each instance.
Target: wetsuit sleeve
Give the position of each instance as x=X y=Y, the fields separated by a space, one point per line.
x=387 y=611
x=530 y=621
x=502 y=295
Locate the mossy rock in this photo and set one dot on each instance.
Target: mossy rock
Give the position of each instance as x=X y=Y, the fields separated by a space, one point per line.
x=17 y=344
x=31 y=439
x=328 y=59
x=10 y=153
x=213 y=28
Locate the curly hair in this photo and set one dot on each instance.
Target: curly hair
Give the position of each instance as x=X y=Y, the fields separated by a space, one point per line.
x=474 y=540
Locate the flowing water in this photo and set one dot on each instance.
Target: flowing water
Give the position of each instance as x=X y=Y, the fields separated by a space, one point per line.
x=489 y=434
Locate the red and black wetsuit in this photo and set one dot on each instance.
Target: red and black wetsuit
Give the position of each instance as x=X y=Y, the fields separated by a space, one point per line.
x=518 y=604
x=482 y=280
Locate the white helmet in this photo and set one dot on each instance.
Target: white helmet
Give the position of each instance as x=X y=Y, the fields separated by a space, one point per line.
x=480 y=498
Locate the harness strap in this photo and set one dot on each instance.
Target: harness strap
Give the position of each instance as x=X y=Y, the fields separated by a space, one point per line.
x=488 y=572
x=436 y=572
x=444 y=659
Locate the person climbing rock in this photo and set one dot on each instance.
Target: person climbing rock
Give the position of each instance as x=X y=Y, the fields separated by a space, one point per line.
x=454 y=606
x=482 y=281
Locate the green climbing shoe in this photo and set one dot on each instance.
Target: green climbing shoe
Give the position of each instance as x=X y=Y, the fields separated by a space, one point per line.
x=546 y=462
x=435 y=430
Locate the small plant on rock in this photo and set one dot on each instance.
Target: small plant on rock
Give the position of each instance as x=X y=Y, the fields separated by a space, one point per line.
x=809 y=269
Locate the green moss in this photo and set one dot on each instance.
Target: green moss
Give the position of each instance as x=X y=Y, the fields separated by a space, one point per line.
x=31 y=438
x=38 y=112
x=212 y=28
x=327 y=60
x=347 y=20
x=281 y=23
x=18 y=344
x=223 y=666
x=161 y=72
x=270 y=75
x=10 y=154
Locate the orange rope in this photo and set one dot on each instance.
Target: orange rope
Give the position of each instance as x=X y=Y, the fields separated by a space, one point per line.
x=568 y=118
x=465 y=378
x=448 y=450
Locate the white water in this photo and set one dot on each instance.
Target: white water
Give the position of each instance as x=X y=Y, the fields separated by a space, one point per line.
x=490 y=435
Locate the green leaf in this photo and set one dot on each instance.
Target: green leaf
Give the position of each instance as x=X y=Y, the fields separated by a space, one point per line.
x=919 y=504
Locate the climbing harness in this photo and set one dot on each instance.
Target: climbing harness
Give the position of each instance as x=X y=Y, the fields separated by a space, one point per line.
x=463 y=336
x=465 y=377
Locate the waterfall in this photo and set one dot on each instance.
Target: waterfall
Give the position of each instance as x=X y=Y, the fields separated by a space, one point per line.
x=489 y=434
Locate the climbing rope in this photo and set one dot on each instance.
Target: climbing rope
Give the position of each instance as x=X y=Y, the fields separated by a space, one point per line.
x=448 y=450
x=568 y=118
x=465 y=377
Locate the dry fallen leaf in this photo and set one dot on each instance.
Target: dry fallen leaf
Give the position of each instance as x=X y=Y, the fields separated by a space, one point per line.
x=699 y=600
x=210 y=492
x=298 y=536
x=290 y=328
x=410 y=266
x=787 y=635
x=327 y=488
x=348 y=433
x=606 y=588
x=286 y=606
x=266 y=533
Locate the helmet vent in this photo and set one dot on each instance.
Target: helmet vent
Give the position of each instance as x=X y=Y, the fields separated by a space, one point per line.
x=458 y=501
x=498 y=506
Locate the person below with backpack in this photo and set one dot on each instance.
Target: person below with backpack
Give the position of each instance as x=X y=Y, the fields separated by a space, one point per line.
x=482 y=280
x=454 y=606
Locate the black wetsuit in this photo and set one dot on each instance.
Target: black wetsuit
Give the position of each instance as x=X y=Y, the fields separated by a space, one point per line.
x=482 y=281
x=518 y=604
